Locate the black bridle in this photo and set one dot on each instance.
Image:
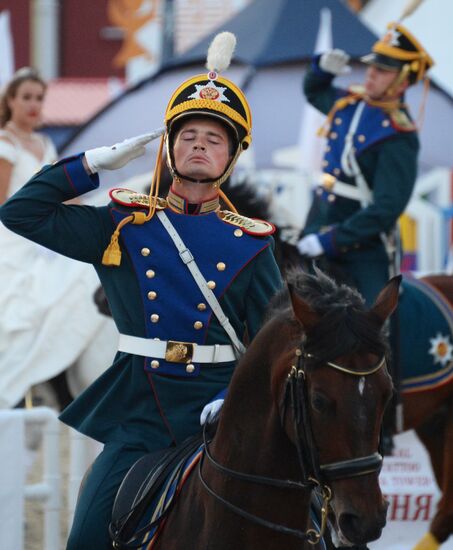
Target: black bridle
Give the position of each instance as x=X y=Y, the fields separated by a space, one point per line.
x=314 y=474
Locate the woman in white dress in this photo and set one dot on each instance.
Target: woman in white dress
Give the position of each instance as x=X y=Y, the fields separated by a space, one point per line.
x=47 y=317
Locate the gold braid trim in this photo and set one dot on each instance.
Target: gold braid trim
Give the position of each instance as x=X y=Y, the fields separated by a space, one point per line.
x=207 y=104
x=200 y=78
x=351 y=99
x=112 y=254
x=337 y=106
x=396 y=53
x=227 y=201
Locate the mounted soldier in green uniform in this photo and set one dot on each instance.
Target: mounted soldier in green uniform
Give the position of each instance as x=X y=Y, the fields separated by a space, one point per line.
x=187 y=282
x=370 y=161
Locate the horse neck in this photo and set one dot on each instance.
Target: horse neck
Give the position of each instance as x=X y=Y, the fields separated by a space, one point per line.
x=250 y=434
x=250 y=439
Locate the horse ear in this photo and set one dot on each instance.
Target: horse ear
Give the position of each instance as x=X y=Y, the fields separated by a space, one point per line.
x=302 y=311
x=387 y=300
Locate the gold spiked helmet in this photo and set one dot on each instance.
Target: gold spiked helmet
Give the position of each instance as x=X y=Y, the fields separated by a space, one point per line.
x=214 y=96
x=400 y=51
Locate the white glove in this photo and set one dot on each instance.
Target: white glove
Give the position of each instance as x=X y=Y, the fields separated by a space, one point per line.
x=116 y=156
x=335 y=62
x=210 y=411
x=310 y=245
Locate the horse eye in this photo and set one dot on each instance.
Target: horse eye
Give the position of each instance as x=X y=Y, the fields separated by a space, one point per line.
x=319 y=402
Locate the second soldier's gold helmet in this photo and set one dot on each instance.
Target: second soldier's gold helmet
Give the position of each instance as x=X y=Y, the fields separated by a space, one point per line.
x=400 y=51
x=214 y=96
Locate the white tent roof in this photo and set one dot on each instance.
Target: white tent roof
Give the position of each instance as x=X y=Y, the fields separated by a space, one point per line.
x=430 y=23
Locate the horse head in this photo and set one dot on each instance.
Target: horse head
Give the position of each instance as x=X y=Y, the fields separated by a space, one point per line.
x=304 y=411
x=332 y=398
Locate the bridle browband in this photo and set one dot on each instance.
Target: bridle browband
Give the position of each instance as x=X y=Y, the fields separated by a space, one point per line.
x=314 y=474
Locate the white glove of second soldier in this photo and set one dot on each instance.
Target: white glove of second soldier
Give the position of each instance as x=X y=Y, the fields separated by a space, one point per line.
x=116 y=156
x=310 y=245
x=210 y=411
x=335 y=62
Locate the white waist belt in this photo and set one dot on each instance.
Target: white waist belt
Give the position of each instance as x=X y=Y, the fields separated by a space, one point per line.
x=175 y=351
x=345 y=190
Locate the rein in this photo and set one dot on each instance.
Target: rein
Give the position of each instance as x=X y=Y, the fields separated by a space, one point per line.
x=310 y=535
x=314 y=474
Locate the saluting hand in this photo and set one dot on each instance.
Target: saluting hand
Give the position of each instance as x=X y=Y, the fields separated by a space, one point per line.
x=116 y=156
x=335 y=62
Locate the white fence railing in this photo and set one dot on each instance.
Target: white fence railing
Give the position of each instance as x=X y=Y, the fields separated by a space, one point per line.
x=13 y=474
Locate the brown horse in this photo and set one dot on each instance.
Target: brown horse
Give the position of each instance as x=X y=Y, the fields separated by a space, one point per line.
x=303 y=412
x=430 y=414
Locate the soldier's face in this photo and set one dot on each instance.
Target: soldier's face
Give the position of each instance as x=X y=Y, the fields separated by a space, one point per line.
x=378 y=81
x=201 y=149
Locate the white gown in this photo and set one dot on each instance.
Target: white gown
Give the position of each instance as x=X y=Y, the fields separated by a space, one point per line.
x=48 y=317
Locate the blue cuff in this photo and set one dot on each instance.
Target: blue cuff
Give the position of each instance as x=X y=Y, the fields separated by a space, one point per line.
x=327 y=240
x=80 y=181
x=220 y=395
x=315 y=68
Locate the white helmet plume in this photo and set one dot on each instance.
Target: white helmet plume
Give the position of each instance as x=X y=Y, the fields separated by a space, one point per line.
x=409 y=9
x=220 y=52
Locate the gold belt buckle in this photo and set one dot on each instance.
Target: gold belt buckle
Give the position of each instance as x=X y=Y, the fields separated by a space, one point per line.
x=179 y=352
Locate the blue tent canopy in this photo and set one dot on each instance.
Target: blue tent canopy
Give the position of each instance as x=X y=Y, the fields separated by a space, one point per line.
x=275 y=39
x=280 y=31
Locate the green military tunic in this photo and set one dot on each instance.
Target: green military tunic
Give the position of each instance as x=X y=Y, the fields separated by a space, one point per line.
x=135 y=407
x=385 y=145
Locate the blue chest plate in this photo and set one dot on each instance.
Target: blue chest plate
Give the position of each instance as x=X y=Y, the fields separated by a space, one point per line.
x=173 y=305
x=374 y=126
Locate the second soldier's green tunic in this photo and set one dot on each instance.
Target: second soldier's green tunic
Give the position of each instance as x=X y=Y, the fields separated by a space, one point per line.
x=386 y=147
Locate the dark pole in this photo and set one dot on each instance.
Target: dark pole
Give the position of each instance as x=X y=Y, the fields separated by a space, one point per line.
x=168 y=31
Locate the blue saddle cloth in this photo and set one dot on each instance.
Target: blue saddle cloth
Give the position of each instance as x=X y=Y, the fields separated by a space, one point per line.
x=426 y=336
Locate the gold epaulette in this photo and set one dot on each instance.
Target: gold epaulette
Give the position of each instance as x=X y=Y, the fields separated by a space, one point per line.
x=252 y=226
x=401 y=121
x=127 y=197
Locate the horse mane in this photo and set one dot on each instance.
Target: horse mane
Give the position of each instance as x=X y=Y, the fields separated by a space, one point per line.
x=345 y=325
x=245 y=197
